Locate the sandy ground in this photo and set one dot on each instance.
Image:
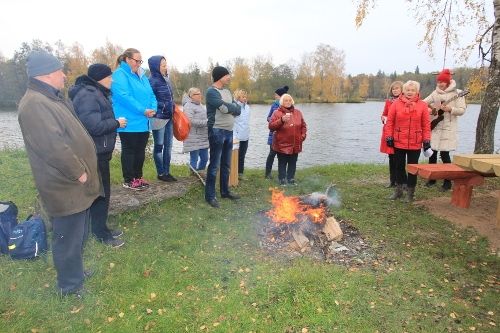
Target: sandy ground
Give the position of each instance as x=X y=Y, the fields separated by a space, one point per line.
x=481 y=215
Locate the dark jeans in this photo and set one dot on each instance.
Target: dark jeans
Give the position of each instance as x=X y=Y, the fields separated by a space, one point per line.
x=68 y=237
x=270 y=160
x=100 y=206
x=162 y=152
x=198 y=158
x=221 y=147
x=404 y=156
x=241 y=156
x=133 y=154
x=284 y=161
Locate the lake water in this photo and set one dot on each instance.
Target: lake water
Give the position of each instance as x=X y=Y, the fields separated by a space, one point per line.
x=336 y=133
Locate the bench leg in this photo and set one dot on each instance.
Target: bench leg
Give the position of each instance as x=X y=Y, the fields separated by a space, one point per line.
x=462 y=193
x=498 y=213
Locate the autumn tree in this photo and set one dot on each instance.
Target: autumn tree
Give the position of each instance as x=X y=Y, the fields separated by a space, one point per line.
x=305 y=75
x=445 y=21
x=240 y=75
x=106 y=54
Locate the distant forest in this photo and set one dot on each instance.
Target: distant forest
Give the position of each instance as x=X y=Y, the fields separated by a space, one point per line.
x=319 y=76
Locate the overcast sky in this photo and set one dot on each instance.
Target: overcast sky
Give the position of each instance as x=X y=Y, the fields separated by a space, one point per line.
x=194 y=31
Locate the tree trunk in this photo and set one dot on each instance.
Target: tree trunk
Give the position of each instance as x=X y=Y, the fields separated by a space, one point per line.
x=485 y=130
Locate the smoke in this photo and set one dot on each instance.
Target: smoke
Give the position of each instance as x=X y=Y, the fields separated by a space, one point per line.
x=330 y=198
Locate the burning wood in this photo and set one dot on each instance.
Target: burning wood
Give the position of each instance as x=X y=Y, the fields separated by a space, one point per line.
x=291 y=209
x=332 y=230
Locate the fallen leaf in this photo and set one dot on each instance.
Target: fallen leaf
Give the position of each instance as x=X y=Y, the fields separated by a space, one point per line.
x=180 y=293
x=319 y=310
x=202 y=327
x=305 y=330
x=76 y=310
x=35 y=330
x=111 y=264
x=121 y=314
x=147 y=273
x=472 y=328
x=12 y=288
x=86 y=321
x=492 y=323
x=185 y=269
x=337 y=302
x=247 y=270
x=216 y=324
x=149 y=311
x=46 y=285
x=152 y=296
x=491 y=313
x=110 y=319
x=453 y=315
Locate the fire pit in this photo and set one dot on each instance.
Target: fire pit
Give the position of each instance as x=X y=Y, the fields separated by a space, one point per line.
x=304 y=226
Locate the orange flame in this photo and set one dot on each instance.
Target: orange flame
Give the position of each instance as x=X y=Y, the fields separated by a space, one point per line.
x=291 y=210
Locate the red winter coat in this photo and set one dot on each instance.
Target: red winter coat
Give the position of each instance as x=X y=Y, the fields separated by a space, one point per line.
x=408 y=123
x=288 y=137
x=384 y=148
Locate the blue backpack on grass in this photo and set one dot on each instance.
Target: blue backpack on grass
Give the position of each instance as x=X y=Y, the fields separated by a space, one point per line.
x=8 y=220
x=28 y=239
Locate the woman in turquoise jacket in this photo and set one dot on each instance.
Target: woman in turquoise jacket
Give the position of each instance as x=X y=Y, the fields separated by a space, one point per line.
x=134 y=100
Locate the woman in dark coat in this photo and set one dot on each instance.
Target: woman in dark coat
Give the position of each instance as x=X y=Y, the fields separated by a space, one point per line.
x=290 y=131
x=91 y=100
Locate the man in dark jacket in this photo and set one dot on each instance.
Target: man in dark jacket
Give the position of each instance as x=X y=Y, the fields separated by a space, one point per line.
x=64 y=165
x=221 y=110
x=91 y=100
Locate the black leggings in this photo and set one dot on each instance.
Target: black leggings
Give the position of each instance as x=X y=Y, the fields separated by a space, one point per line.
x=133 y=154
x=287 y=165
x=402 y=157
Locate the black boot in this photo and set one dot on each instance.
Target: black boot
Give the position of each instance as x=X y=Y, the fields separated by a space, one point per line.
x=398 y=192
x=430 y=183
x=446 y=185
x=410 y=193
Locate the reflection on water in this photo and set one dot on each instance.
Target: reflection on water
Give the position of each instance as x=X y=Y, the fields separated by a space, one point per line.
x=336 y=133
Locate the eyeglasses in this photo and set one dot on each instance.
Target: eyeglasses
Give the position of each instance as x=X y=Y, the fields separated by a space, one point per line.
x=137 y=61
x=196 y=94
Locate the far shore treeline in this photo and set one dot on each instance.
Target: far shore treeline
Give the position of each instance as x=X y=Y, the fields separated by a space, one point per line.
x=317 y=77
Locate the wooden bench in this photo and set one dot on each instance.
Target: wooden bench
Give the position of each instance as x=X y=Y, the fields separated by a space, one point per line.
x=463 y=179
x=466 y=171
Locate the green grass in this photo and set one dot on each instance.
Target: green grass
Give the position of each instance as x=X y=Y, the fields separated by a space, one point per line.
x=186 y=267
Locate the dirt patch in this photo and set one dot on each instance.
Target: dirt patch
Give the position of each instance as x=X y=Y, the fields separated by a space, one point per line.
x=123 y=199
x=481 y=215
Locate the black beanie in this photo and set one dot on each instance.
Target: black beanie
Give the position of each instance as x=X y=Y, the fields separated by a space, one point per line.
x=97 y=72
x=281 y=91
x=219 y=72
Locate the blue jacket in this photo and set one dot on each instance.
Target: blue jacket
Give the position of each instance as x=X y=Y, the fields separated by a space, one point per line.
x=274 y=107
x=131 y=96
x=161 y=88
x=93 y=107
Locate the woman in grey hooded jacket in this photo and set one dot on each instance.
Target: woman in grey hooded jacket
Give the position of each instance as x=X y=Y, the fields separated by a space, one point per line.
x=197 y=141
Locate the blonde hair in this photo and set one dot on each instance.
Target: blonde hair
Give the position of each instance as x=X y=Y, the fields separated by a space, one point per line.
x=411 y=83
x=286 y=95
x=193 y=90
x=128 y=53
x=395 y=83
x=239 y=93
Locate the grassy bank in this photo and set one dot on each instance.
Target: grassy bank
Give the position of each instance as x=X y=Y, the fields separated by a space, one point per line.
x=186 y=267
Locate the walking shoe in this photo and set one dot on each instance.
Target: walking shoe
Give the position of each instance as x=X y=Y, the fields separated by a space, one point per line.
x=116 y=233
x=114 y=242
x=446 y=186
x=143 y=182
x=292 y=182
x=268 y=176
x=230 y=195
x=167 y=178
x=87 y=274
x=391 y=184
x=213 y=202
x=78 y=294
x=135 y=185
x=282 y=182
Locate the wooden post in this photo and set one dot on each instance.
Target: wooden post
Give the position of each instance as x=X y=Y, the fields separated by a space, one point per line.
x=233 y=175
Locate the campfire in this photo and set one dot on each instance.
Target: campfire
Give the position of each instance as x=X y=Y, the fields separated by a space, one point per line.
x=301 y=225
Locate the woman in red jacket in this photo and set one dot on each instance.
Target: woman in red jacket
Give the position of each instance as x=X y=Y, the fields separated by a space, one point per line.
x=289 y=132
x=395 y=90
x=408 y=128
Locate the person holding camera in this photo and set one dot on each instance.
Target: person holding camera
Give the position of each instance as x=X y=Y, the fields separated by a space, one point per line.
x=408 y=129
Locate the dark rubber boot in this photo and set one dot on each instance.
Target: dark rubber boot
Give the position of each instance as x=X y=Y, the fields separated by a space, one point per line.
x=398 y=192
x=410 y=193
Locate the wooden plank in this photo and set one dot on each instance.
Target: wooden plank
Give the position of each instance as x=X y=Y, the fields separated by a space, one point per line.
x=439 y=171
x=485 y=165
x=466 y=160
x=496 y=168
x=332 y=229
x=300 y=238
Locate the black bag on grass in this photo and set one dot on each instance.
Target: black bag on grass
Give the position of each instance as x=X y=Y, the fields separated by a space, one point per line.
x=28 y=239
x=8 y=220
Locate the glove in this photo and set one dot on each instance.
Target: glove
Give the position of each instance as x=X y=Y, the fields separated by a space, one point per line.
x=390 y=141
x=426 y=144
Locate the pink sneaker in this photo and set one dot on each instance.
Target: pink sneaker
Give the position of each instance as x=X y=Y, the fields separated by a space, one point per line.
x=143 y=182
x=135 y=184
